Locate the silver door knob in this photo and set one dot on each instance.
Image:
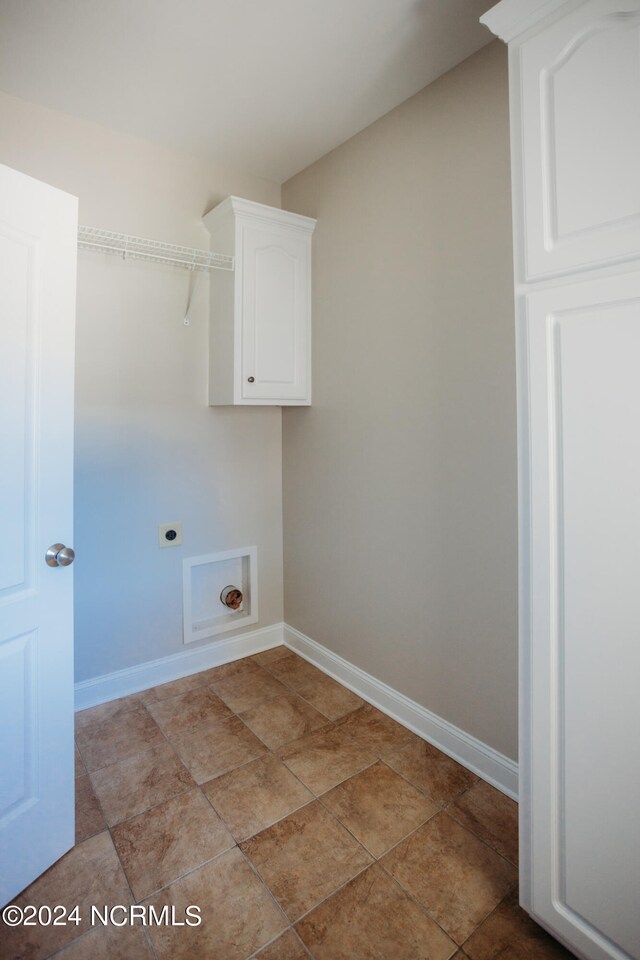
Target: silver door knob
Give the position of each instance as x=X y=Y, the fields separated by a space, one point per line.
x=59 y=556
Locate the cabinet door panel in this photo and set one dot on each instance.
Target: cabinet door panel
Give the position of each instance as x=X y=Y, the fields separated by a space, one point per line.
x=275 y=335
x=584 y=397
x=580 y=82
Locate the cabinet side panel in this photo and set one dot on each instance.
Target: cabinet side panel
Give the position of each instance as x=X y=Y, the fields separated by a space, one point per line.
x=221 y=319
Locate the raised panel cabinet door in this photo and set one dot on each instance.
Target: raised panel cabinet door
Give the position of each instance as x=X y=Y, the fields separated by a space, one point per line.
x=580 y=138
x=275 y=348
x=582 y=643
x=38 y=230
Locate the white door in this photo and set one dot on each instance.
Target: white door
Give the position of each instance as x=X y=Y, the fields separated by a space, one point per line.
x=275 y=315
x=38 y=226
x=582 y=806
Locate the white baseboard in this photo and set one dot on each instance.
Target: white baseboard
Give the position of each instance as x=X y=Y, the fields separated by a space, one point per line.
x=467 y=750
x=89 y=693
x=477 y=756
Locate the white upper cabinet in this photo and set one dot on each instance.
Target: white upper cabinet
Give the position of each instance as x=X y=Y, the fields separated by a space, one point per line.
x=260 y=334
x=580 y=127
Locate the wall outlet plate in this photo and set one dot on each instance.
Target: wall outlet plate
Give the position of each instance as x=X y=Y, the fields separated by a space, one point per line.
x=170 y=534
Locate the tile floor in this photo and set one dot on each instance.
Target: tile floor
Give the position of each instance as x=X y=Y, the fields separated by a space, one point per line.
x=303 y=822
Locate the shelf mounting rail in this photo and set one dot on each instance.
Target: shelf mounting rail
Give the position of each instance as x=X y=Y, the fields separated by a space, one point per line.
x=139 y=248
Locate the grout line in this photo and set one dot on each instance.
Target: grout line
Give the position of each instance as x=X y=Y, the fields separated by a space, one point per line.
x=484 y=919
x=144 y=749
x=285 y=743
x=351 y=776
x=333 y=893
x=238 y=841
x=77 y=748
x=422 y=789
x=289 y=685
x=297 y=920
x=153 y=806
x=336 y=720
x=301 y=942
x=175 y=750
x=269 y=943
x=268 y=826
x=421 y=906
x=356 y=840
x=344 y=780
x=322 y=674
x=375 y=856
x=264 y=881
x=411 y=833
x=416 y=786
x=281 y=646
x=470 y=830
x=187 y=873
x=411 y=896
x=124 y=872
x=245 y=763
x=260 y=703
x=480 y=839
x=344 y=826
x=290 y=929
x=105 y=828
x=109 y=926
x=253 y=867
x=150 y=942
x=85 y=933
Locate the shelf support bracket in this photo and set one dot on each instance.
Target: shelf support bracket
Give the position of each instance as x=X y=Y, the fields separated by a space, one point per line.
x=194 y=282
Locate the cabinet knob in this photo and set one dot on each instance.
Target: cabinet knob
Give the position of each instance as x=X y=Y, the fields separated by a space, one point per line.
x=251 y=379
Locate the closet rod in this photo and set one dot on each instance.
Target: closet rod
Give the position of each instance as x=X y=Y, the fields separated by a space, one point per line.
x=139 y=248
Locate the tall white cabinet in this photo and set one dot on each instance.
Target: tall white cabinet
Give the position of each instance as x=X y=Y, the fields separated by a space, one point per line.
x=575 y=113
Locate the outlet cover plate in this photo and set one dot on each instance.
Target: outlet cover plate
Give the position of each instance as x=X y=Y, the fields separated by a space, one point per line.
x=168 y=528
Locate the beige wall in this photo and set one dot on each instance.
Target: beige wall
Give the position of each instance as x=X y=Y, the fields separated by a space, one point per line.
x=148 y=448
x=400 y=480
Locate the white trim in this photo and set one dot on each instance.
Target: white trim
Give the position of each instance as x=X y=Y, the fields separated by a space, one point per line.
x=477 y=756
x=111 y=686
x=510 y=18
x=257 y=211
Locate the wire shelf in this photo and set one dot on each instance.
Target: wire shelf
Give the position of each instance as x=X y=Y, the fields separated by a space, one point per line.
x=139 y=248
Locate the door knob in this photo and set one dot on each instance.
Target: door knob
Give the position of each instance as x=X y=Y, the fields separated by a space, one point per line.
x=59 y=556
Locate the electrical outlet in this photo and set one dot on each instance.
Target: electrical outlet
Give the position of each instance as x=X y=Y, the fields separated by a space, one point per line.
x=170 y=534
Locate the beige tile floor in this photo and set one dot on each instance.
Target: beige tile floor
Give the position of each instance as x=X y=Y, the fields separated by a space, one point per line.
x=302 y=821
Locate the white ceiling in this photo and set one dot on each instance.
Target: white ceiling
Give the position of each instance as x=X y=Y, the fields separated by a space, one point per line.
x=268 y=86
